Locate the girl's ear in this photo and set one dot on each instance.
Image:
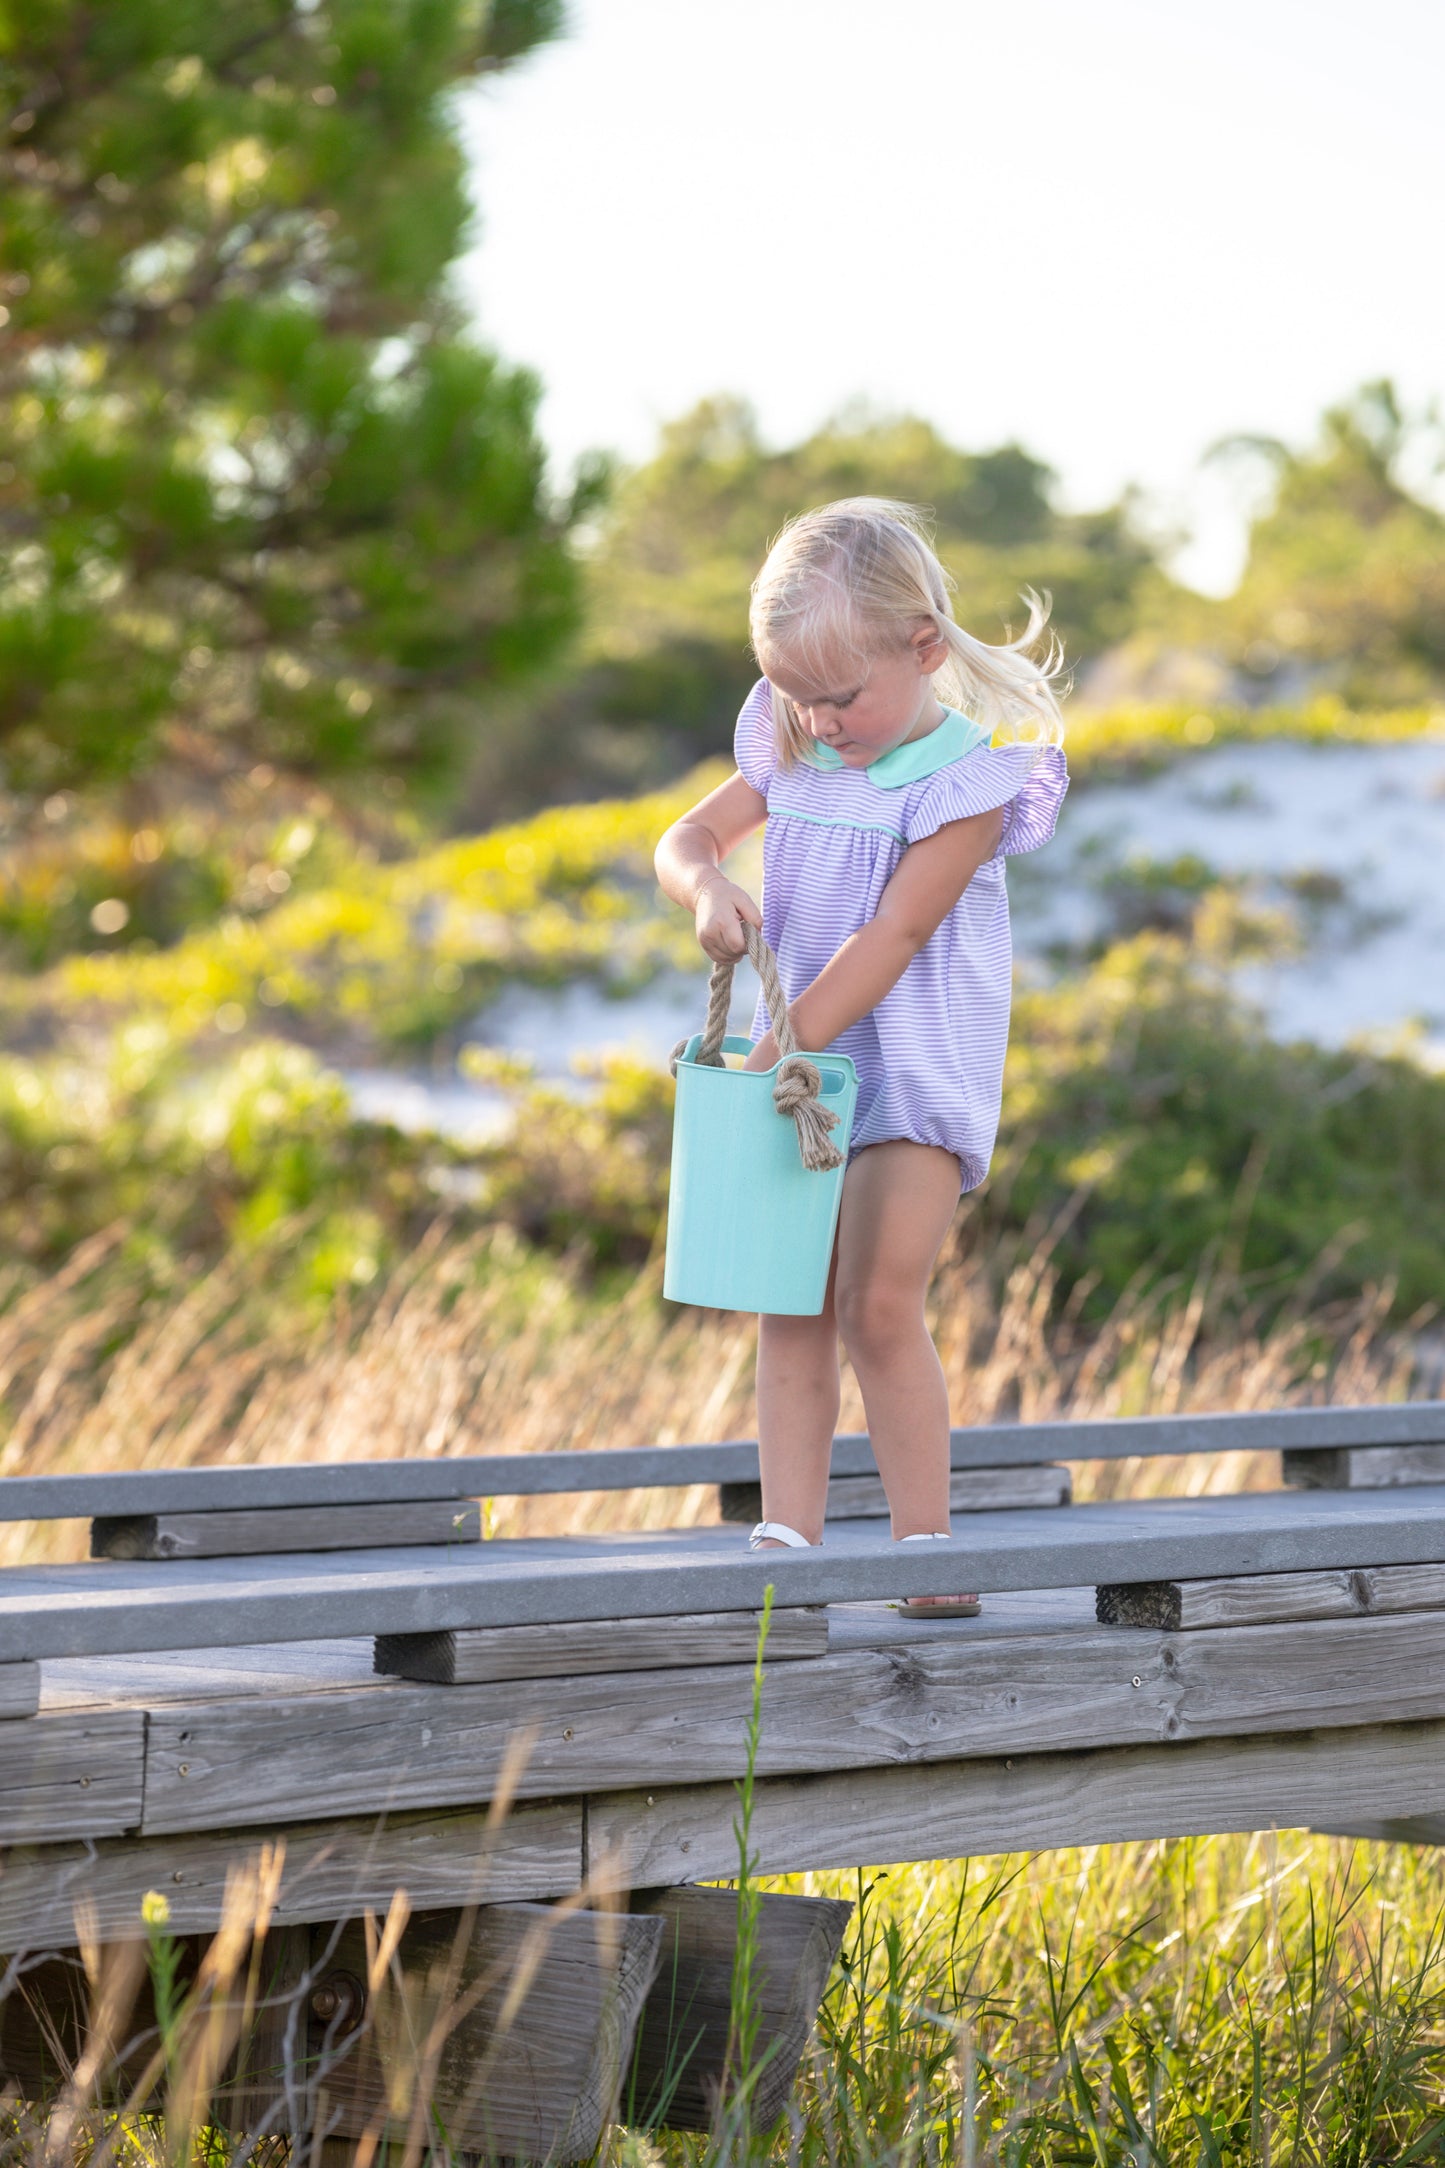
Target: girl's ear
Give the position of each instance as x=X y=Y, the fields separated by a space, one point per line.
x=931 y=648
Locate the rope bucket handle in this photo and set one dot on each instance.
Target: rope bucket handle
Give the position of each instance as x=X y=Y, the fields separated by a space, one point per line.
x=797 y=1085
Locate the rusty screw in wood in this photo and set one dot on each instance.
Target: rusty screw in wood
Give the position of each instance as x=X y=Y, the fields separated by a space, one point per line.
x=338 y=2000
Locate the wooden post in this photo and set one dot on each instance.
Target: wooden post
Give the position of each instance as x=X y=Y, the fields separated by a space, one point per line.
x=508 y=2030
x=680 y=2068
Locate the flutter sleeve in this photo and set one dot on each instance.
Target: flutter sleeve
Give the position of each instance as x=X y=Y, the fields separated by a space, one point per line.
x=754 y=746
x=1028 y=779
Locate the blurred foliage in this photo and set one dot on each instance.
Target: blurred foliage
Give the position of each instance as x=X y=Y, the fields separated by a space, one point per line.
x=1139 y=740
x=1151 y=1120
x=363 y=933
x=1346 y=571
x=1342 y=602
x=93 y=872
x=369 y=953
x=261 y=498
x=258 y=1155
x=671 y=558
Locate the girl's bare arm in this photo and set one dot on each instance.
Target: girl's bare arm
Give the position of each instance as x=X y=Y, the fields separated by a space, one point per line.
x=930 y=878
x=688 y=862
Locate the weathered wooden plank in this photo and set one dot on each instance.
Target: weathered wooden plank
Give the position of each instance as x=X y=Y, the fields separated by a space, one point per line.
x=241 y=1533
x=1398 y=1829
x=1265 y=1598
x=330 y=1870
x=73 y=1610
x=1254 y=1599
x=686 y=2026
x=1405 y=1588
x=405 y=1746
x=986 y=1445
x=408 y=1746
x=278 y=1667
x=534 y=2011
x=888 y=1817
x=1370 y=1467
x=19 y=1690
x=71 y=1775
x=970 y=1490
x=494 y=1653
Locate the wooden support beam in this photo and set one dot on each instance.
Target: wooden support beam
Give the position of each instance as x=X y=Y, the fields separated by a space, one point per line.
x=488 y=1654
x=888 y=1817
x=394 y=1746
x=682 y=2040
x=330 y=1870
x=1362 y=1467
x=970 y=1490
x=249 y=1534
x=73 y=1774
x=19 y=1690
x=1259 y=1599
x=509 y=2029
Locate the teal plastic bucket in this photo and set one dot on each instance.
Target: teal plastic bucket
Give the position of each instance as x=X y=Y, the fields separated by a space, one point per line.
x=749 y=1227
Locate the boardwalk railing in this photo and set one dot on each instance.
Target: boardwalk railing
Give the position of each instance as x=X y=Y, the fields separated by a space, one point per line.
x=530 y=1475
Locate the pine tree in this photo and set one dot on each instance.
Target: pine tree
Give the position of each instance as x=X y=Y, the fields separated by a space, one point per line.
x=261 y=497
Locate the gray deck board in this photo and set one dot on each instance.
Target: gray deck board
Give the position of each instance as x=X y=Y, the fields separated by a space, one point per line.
x=987 y=1445
x=116 y=1607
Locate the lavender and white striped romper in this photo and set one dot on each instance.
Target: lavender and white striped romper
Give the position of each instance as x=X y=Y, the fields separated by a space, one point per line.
x=930 y=1056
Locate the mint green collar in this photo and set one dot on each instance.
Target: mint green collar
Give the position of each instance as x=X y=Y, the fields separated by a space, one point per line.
x=919 y=757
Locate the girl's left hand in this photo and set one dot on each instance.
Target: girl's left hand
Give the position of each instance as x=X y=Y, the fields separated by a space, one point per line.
x=764 y=1054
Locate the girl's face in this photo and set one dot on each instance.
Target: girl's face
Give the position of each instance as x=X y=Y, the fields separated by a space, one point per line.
x=888 y=703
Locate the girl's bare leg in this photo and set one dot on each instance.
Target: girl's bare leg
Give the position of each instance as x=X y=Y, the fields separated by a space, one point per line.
x=898 y=1200
x=798 y=1392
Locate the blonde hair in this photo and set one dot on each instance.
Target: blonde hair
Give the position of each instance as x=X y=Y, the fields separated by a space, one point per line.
x=858 y=578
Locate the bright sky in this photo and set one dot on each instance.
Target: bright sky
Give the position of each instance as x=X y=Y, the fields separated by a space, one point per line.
x=1115 y=230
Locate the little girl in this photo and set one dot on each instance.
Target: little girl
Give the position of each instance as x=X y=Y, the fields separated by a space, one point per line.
x=889 y=816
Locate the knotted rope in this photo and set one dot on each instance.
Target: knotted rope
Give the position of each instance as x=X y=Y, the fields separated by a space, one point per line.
x=797 y=1084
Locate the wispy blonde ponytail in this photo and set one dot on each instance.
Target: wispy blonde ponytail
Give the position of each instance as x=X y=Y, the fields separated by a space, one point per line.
x=858 y=578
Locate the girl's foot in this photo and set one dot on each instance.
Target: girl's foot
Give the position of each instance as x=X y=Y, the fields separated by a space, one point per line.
x=777 y=1536
x=937 y=1606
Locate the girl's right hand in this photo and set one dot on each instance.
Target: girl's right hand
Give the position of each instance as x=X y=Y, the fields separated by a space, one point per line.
x=720 y=911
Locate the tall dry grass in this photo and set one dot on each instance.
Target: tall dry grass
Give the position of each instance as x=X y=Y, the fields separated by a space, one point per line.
x=482 y=1345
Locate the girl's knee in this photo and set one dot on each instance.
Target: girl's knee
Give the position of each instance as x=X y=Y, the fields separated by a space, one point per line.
x=875 y=1318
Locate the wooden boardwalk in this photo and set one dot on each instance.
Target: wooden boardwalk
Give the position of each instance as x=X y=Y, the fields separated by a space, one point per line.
x=1142 y=1668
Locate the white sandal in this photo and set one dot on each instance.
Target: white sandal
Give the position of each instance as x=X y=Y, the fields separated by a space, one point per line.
x=779 y=1532
x=941 y=1606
